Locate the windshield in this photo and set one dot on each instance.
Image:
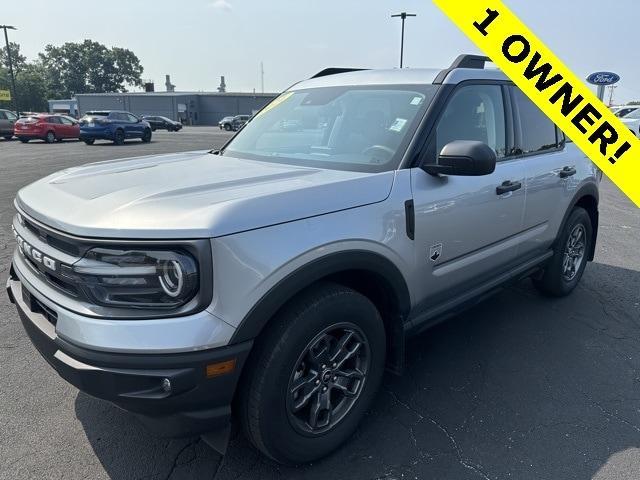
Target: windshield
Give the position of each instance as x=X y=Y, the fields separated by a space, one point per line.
x=362 y=128
x=635 y=113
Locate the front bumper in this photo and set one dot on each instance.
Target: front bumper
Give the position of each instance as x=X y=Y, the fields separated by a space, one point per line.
x=195 y=403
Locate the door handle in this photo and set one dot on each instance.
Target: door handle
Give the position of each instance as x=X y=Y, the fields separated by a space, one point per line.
x=508 y=186
x=567 y=172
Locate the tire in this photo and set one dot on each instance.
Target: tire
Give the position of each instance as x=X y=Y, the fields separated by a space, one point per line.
x=8 y=137
x=146 y=136
x=118 y=137
x=24 y=140
x=153 y=129
x=573 y=245
x=227 y=127
x=324 y=312
x=50 y=137
x=89 y=141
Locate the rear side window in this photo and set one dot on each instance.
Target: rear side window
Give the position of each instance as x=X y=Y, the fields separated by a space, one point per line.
x=3 y=116
x=538 y=132
x=53 y=120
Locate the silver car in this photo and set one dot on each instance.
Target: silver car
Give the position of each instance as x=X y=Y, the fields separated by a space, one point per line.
x=277 y=278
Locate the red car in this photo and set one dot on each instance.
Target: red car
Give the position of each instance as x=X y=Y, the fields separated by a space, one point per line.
x=49 y=128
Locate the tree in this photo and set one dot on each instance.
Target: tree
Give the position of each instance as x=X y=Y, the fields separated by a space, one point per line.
x=90 y=67
x=17 y=59
x=31 y=85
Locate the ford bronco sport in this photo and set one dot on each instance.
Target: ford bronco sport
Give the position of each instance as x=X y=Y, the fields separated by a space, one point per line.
x=279 y=276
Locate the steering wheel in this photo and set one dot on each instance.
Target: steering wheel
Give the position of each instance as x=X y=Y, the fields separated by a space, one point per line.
x=387 y=153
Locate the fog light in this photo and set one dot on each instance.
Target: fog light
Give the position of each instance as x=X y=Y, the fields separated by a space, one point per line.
x=166 y=385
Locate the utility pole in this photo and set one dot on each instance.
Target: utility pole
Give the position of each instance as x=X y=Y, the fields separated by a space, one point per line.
x=14 y=96
x=611 y=90
x=403 y=16
x=262 y=76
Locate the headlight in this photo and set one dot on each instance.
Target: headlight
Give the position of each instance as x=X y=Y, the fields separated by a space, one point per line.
x=136 y=278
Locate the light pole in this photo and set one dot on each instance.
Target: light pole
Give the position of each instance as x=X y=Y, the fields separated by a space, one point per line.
x=403 y=16
x=13 y=79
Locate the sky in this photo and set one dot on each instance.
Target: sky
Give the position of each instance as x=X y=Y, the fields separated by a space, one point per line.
x=197 y=41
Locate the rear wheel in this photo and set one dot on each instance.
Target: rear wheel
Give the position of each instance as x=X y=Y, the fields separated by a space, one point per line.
x=50 y=137
x=146 y=136
x=89 y=141
x=227 y=127
x=313 y=374
x=118 y=137
x=8 y=137
x=564 y=271
x=24 y=140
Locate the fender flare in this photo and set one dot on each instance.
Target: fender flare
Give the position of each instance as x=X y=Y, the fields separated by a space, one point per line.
x=588 y=190
x=335 y=263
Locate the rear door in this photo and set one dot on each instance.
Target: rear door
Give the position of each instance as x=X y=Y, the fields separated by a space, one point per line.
x=549 y=169
x=466 y=229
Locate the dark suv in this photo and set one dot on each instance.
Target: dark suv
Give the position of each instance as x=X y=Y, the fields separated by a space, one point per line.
x=113 y=125
x=162 y=123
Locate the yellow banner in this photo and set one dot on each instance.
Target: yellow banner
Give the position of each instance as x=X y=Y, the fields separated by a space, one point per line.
x=560 y=94
x=5 y=95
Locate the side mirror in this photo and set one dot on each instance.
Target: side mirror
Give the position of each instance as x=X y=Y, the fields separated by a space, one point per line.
x=464 y=158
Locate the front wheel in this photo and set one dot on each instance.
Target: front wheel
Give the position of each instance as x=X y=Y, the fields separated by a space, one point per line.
x=564 y=271
x=146 y=136
x=50 y=138
x=8 y=137
x=89 y=141
x=24 y=140
x=227 y=127
x=313 y=374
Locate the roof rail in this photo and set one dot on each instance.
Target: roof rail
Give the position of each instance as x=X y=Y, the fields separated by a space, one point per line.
x=336 y=70
x=463 y=61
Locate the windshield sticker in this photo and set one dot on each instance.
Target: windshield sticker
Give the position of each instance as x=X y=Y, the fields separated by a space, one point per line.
x=398 y=125
x=416 y=101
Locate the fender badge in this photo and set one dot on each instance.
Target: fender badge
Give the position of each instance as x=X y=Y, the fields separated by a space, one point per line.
x=435 y=252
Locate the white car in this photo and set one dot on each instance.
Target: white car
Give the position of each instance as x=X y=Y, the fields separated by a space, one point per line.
x=632 y=120
x=624 y=110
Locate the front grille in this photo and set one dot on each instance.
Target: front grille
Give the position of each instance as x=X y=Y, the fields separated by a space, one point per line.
x=51 y=239
x=47 y=265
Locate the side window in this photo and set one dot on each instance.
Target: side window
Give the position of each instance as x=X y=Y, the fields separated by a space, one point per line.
x=11 y=116
x=131 y=118
x=474 y=112
x=538 y=132
x=66 y=121
x=3 y=116
x=55 y=120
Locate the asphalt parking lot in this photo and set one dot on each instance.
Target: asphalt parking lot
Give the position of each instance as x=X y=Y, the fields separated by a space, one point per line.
x=520 y=387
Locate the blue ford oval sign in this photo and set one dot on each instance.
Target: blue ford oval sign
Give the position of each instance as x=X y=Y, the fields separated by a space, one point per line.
x=603 y=78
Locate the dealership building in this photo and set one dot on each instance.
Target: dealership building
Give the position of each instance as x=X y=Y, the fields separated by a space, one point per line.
x=191 y=108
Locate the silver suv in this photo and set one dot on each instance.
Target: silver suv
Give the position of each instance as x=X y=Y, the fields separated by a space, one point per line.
x=278 y=277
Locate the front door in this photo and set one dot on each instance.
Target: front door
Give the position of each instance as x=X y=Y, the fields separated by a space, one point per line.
x=468 y=228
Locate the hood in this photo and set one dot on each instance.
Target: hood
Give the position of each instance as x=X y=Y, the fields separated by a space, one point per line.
x=192 y=195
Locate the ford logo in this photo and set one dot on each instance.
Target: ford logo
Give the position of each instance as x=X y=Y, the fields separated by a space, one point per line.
x=603 y=78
